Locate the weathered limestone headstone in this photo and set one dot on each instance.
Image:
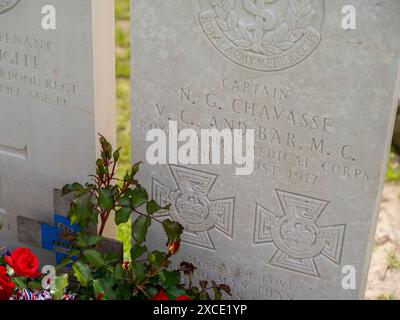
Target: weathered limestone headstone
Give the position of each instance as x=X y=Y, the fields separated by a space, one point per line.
x=322 y=101
x=56 y=93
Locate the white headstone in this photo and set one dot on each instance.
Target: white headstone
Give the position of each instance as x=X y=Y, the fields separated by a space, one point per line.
x=56 y=94
x=322 y=103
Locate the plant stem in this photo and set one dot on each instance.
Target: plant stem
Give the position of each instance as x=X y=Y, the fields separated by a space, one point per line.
x=144 y=292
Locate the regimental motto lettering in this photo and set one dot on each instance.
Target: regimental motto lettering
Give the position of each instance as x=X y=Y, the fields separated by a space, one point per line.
x=296 y=234
x=6 y=5
x=192 y=207
x=264 y=35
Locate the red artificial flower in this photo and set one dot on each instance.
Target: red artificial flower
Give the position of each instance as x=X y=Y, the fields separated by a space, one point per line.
x=173 y=247
x=160 y=296
x=6 y=285
x=24 y=263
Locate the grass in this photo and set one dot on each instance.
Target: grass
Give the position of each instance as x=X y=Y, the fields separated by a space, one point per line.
x=393 y=262
x=391 y=296
x=122 y=35
x=122 y=9
x=393 y=168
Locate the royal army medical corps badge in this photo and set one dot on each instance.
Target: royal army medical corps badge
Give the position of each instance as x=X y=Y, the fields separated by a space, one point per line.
x=263 y=35
x=6 y=5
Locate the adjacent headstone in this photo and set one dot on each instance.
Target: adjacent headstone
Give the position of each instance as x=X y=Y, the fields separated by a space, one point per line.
x=322 y=101
x=56 y=94
x=57 y=238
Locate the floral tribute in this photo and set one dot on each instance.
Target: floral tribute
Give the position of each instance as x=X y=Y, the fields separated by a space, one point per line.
x=20 y=278
x=87 y=273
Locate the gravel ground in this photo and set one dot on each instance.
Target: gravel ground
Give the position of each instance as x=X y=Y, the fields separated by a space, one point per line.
x=384 y=273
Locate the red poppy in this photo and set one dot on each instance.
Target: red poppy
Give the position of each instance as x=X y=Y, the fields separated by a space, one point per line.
x=183 y=298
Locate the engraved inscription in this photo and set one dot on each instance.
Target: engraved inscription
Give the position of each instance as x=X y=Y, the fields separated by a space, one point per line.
x=244 y=282
x=264 y=35
x=6 y=5
x=24 y=71
x=296 y=234
x=192 y=207
x=291 y=144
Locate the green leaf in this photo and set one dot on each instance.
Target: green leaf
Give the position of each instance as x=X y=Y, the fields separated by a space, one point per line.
x=139 y=197
x=94 y=258
x=64 y=262
x=94 y=218
x=35 y=285
x=194 y=293
x=94 y=240
x=203 y=284
x=139 y=272
x=176 y=292
x=217 y=291
x=82 y=240
x=82 y=273
x=98 y=288
x=104 y=286
x=125 y=202
x=71 y=188
x=170 y=278
x=119 y=272
x=152 y=291
x=81 y=210
x=157 y=258
x=137 y=251
x=111 y=258
x=20 y=282
x=173 y=230
x=60 y=283
x=124 y=292
x=106 y=200
x=204 y=295
x=140 y=228
x=122 y=215
x=152 y=207
x=74 y=253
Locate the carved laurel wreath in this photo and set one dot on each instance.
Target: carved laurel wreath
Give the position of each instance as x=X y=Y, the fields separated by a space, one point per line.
x=299 y=16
